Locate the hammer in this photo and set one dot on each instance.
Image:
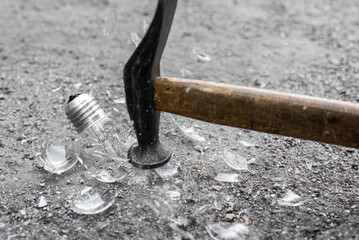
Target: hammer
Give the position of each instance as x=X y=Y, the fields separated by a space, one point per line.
x=147 y=93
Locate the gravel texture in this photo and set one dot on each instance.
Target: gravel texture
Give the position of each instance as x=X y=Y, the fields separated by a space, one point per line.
x=50 y=49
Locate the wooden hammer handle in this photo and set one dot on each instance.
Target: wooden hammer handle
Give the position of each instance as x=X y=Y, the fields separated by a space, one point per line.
x=286 y=114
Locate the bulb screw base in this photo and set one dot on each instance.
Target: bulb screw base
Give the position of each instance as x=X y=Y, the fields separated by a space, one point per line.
x=83 y=111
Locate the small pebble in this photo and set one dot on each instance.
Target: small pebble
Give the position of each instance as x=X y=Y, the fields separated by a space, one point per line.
x=229 y=217
x=104 y=226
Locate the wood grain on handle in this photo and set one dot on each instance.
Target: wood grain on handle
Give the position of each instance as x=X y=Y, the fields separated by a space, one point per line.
x=286 y=114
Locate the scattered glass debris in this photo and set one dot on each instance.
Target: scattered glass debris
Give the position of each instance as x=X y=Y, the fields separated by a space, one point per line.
x=139 y=177
x=192 y=134
x=199 y=148
x=105 y=32
x=247 y=144
x=129 y=142
x=109 y=177
x=186 y=73
x=234 y=160
x=168 y=191
x=56 y=89
x=101 y=165
x=173 y=195
x=167 y=171
x=145 y=26
x=184 y=234
x=202 y=55
x=161 y=208
x=93 y=200
x=42 y=202
x=56 y=156
x=309 y=164
x=227 y=177
x=291 y=199
x=262 y=82
x=120 y=101
x=237 y=231
x=77 y=85
x=135 y=39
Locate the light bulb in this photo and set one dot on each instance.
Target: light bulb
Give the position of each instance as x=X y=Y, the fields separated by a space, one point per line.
x=103 y=153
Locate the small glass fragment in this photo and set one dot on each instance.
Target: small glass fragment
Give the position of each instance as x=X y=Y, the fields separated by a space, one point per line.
x=56 y=156
x=247 y=144
x=234 y=160
x=186 y=73
x=145 y=26
x=120 y=101
x=160 y=207
x=291 y=199
x=199 y=148
x=101 y=165
x=56 y=89
x=108 y=177
x=309 y=164
x=192 y=134
x=202 y=55
x=139 y=177
x=237 y=231
x=135 y=39
x=167 y=171
x=184 y=234
x=93 y=200
x=227 y=177
x=42 y=202
x=77 y=85
x=173 y=195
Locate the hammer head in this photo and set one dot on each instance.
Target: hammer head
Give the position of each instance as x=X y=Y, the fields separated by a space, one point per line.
x=139 y=74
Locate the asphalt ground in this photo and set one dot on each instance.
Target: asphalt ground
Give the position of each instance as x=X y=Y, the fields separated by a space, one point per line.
x=50 y=49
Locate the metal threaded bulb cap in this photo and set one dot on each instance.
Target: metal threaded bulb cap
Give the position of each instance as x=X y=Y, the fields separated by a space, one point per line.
x=83 y=111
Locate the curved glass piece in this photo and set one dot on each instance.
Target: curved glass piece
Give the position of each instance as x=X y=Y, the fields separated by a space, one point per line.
x=57 y=155
x=93 y=200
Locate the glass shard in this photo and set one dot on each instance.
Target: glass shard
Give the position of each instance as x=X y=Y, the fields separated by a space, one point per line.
x=247 y=144
x=102 y=166
x=192 y=134
x=201 y=55
x=135 y=39
x=309 y=164
x=291 y=199
x=237 y=231
x=145 y=26
x=173 y=195
x=42 y=202
x=186 y=73
x=184 y=234
x=109 y=176
x=120 y=101
x=56 y=89
x=234 y=160
x=227 y=177
x=56 y=156
x=167 y=171
x=93 y=200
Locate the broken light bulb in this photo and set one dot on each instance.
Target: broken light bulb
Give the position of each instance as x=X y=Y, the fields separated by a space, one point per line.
x=97 y=133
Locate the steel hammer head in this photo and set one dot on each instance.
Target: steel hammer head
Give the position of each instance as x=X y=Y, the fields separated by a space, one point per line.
x=139 y=74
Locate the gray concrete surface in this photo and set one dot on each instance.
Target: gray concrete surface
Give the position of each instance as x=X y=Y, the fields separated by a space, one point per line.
x=307 y=47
